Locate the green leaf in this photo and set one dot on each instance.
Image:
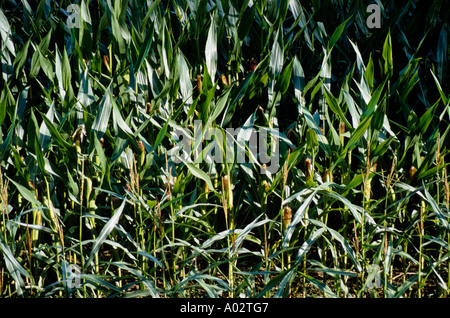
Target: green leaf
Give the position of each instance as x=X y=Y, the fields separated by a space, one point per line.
x=29 y=195
x=369 y=73
x=347 y=203
x=276 y=54
x=151 y=257
x=35 y=64
x=311 y=141
x=189 y=207
x=337 y=33
x=320 y=285
x=18 y=112
x=117 y=118
x=109 y=226
x=38 y=147
x=6 y=102
x=220 y=105
x=382 y=147
x=161 y=135
x=21 y=57
x=55 y=133
x=296 y=219
x=246 y=18
x=3 y=103
x=442 y=55
x=338 y=237
x=145 y=48
x=211 y=50
x=84 y=10
x=13 y=266
x=96 y=280
x=85 y=97
x=406 y=285
x=274 y=281
x=102 y=157
x=207 y=101
x=46 y=66
x=40 y=157
x=426 y=119
x=306 y=246
x=373 y=100
x=43 y=46
x=387 y=56
x=352 y=108
x=437 y=211
x=117 y=33
x=199 y=174
x=185 y=80
x=445 y=99
x=59 y=74
x=242 y=235
x=166 y=51
x=332 y=102
x=6 y=34
x=299 y=83
x=150 y=288
x=322 y=140
x=217 y=237
x=283 y=81
x=229 y=111
x=358 y=133
x=102 y=118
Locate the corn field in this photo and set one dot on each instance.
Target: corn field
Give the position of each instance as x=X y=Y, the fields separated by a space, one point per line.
x=224 y=149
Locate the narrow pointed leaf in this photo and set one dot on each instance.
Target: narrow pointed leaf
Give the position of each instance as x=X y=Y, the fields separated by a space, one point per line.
x=109 y=226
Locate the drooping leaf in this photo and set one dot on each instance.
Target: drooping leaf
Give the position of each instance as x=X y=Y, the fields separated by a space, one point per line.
x=297 y=218
x=199 y=174
x=26 y=193
x=106 y=230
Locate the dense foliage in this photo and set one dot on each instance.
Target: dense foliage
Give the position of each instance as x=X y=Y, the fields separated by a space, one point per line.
x=94 y=97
